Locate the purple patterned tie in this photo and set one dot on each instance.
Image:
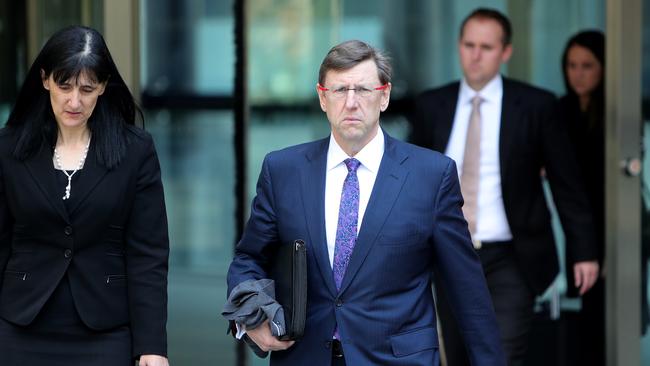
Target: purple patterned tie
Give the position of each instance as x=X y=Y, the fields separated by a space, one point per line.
x=346 y=231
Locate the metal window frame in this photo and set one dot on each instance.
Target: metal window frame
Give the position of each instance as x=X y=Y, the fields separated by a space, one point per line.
x=622 y=202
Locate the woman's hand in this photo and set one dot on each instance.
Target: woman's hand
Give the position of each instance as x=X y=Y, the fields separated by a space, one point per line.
x=153 y=360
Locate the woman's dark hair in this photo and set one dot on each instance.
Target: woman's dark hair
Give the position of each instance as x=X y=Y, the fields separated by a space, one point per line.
x=70 y=52
x=594 y=41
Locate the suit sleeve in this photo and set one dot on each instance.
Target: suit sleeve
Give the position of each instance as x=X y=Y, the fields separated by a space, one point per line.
x=252 y=253
x=147 y=256
x=6 y=228
x=567 y=186
x=461 y=276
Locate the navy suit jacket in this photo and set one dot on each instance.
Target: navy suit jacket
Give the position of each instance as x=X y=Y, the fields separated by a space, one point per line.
x=413 y=224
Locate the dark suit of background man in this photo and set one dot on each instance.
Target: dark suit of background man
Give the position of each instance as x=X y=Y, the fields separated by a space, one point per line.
x=517 y=137
x=375 y=306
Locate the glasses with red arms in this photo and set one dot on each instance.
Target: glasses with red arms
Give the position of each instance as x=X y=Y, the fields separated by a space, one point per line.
x=359 y=90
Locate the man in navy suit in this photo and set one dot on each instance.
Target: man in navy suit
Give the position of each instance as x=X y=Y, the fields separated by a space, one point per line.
x=378 y=216
x=515 y=136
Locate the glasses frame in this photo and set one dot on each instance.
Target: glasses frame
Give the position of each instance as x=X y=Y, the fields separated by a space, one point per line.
x=322 y=88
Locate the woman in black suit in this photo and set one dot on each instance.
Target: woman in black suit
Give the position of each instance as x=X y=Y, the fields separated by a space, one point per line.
x=83 y=229
x=582 y=110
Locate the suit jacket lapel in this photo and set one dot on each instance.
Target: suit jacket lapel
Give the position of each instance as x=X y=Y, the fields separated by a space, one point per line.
x=444 y=122
x=91 y=174
x=313 y=193
x=509 y=114
x=390 y=179
x=41 y=168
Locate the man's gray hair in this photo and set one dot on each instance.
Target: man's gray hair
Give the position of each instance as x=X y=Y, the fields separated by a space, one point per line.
x=349 y=54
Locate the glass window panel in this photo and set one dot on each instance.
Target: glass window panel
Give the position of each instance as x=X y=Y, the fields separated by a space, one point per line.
x=53 y=15
x=188 y=52
x=197 y=160
x=289 y=38
x=13 y=49
x=187 y=47
x=286 y=40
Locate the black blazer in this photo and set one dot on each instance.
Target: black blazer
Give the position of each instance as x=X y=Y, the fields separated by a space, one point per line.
x=113 y=243
x=531 y=138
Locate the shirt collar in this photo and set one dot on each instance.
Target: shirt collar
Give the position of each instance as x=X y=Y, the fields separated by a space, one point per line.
x=491 y=92
x=370 y=156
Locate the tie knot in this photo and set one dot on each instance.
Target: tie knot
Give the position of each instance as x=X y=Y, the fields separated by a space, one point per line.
x=352 y=164
x=476 y=101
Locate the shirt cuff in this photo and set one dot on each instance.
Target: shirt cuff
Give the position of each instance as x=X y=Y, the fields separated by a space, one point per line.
x=241 y=330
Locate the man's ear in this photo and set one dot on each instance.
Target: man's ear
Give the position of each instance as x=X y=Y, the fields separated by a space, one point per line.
x=507 y=53
x=385 y=97
x=46 y=80
x=321 y=98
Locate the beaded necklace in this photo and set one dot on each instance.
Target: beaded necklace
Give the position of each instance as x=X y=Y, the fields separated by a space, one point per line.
x=57 y=157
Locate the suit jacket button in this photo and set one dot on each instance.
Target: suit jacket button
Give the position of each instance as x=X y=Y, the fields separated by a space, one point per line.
x=339 y=303
x=67 y=253
x=68 y=230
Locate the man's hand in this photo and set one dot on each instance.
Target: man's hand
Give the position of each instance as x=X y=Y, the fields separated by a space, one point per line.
x=585 y=275
x=265 y=340
x=153 y=360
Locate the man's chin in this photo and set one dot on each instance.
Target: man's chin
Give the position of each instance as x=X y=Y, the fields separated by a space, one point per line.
x=354 y=134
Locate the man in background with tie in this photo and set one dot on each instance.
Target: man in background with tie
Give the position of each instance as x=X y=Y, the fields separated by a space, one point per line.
x=377 y=216
x=501 y=133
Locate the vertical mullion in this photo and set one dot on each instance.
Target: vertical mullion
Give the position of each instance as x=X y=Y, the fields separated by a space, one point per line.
x=241 y=113
x=623 y=205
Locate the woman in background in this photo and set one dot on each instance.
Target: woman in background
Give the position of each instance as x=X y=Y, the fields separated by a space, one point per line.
x=582 y=109
x=83 y=229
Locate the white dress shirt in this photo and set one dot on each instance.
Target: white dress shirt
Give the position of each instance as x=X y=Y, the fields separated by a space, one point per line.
x=370 y=158
x=492 y=224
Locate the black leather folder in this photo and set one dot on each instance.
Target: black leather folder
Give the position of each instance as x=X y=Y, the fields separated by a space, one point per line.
x=289 y=271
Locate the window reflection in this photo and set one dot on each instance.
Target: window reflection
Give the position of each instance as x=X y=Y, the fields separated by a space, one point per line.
x=187 y=69
x=188 y=48
x=195 y=149
x=197 y=161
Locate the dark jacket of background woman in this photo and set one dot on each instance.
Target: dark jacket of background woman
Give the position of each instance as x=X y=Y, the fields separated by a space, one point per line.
x=587 y=133
x=582 y=110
